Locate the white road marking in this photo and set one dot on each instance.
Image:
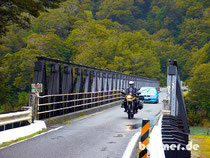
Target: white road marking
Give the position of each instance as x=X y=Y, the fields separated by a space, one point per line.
x=131 y=146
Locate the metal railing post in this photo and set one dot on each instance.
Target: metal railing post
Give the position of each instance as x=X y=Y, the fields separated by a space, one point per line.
x=175 y=96
x=171 y=85
x=33 y=102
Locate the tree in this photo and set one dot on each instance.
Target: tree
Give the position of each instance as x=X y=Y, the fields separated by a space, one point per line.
x=138 y=56
x=166 y=50
x=119 y=11
x=59 y=21
x=198 y=98
x=13 y=41
x=16 y=73
x=3 y=91
x=18 y=67
x=56 y=21
x=128 y=52
x=191 y=35
x=51 y=44
x=201 y=56
x=17 y=12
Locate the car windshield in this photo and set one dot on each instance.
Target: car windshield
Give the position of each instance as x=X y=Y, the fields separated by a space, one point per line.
x=148 y=90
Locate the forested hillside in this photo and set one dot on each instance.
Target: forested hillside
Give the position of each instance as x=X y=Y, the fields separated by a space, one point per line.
x=136 y=37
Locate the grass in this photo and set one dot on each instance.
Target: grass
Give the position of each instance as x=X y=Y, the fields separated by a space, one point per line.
x=77 y=118
x=66 y=122
x=204 y=146
x=22 y=138
x=199 y=130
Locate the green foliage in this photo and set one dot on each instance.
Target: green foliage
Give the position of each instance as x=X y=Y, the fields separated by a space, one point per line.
x=50 y=43
x=201 y=56
x=122 y=11
x=19 y=12
x=18 y=67
x=198 y=98
x=22 y=99
x=200 y=85
x=134 y=37
x=17 y=71
x=127 y=52
x=4 y=144
x=3 y=91
x=55 y=21
x=13 y=41
x=191 y=35
x=60 y=21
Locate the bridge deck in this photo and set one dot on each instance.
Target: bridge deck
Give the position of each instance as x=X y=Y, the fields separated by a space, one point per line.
x=105 y=134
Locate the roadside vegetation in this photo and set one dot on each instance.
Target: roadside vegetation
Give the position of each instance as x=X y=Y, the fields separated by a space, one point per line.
x=134 y=37
x=21 y=139
x=204 y=143
x=198 y=98
x=200 y=136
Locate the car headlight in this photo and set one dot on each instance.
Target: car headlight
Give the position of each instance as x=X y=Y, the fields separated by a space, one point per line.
x=153 y=96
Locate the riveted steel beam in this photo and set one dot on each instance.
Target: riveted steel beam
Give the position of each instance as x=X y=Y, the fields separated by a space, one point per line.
x=57 y=61
x=40 y=75
x=55 y=80
x=87 y=73
x=79 y=86
x=110 y=81
x=100 y=81
x=105 y=81
x=95 y=81
x=67 y=82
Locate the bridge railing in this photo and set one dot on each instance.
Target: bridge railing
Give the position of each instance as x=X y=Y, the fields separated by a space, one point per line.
x=175 y=128
x=59 y=104
x=68 y=87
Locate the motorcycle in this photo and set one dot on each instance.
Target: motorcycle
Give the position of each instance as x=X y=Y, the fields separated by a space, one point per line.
x=133 y=103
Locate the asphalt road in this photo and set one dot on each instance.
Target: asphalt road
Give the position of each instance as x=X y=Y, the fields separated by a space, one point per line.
x=102 y=135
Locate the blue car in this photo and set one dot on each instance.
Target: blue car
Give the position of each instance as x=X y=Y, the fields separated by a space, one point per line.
x=150 y=94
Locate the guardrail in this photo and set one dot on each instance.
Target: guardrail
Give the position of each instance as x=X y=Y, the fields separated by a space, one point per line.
x=15 y=117
x=58 y=104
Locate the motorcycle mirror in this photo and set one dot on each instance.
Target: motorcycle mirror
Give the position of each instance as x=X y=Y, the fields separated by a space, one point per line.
x=122 y=92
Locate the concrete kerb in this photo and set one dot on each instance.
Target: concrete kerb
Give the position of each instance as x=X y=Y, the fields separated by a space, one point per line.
x=20 y=132
x=54 y=121
x=156 y=122
x=132 y=149
x=155 y=144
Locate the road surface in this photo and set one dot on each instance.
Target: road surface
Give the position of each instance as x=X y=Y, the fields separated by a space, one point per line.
x=102 y=135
